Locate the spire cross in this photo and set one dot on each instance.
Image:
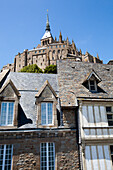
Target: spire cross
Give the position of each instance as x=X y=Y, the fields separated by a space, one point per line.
x=47 y=23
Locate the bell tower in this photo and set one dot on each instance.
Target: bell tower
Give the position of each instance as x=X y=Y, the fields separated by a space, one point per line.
x=47 y=37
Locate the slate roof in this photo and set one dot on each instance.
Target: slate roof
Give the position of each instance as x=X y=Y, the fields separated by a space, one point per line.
x=32 y=81
x=47 y=34
x=71 y=75
x=28 y=85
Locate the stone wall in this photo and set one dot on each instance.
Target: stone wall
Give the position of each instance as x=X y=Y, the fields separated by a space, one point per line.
x=69 y=118
x=26 y=149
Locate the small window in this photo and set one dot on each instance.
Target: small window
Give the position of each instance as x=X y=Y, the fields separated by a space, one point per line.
x=56 y=46
x=6 y=152
x=58 y=51
x=109 y=115
x=43 y=51
x=47 y=154
x=108 y=108
x=63 y=45
x=92 y=85
x=35 y=51
x=51 y=46
x=52 y=58
x=111 y=150
x=39 y=51
x=53 y=51
x=46 y=113
x=7 y=113
x=19 y=65
x=59 y=46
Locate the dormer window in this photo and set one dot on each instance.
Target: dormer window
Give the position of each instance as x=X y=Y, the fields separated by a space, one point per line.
x=9 y=100
x=7 y=113
x=92 y=85
x=91 y=82
x=46 y=101
x=46 y=113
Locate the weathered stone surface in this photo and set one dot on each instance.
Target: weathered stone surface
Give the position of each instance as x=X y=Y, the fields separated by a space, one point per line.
x=71 y=75
x=69 y=117
x=26 y=151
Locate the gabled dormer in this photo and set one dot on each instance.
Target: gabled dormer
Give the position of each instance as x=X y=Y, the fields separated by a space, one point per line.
x=46 y=101
x=9 y=99
x=91 y=81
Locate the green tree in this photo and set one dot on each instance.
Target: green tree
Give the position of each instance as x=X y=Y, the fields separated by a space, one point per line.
x=51 y=69
x=31 y=69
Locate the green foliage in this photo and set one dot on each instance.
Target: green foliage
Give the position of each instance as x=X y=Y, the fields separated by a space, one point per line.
x=31 y=69
x=51 y=69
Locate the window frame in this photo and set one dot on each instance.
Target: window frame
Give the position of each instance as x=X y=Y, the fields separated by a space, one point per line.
x=46 y=114
x=95 y=85
x=111 y=154
x=7 y=112
x=4 y=155
x=47 y=154
x=109 y=113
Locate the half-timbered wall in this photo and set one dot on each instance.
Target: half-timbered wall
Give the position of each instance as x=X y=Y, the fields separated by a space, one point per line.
x=95 y=123
x=96 y=136
x=97 y=157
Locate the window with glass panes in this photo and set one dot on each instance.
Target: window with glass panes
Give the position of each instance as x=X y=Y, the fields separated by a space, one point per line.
x=47 y=154
x=7 y=113
x=109 y=115
x=46 y=113
x=111 y=150
x=92 y=85
x=6 y=152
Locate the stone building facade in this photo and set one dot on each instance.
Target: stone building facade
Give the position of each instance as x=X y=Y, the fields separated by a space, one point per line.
x=49 y=51
x=57 y=121
x=90 y=86
x=35 y=131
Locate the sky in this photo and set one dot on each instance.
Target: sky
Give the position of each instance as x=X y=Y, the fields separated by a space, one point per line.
x=88 y=22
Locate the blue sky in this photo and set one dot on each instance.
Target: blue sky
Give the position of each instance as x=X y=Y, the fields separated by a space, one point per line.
x=88 y=22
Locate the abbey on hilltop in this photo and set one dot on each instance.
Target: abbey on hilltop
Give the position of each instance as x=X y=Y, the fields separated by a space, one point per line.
x=60 y=121
x=49 y=51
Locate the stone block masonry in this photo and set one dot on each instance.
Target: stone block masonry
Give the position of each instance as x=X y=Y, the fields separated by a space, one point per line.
x=26 y=149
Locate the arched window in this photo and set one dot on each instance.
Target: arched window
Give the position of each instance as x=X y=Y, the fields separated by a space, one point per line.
x=58 y=51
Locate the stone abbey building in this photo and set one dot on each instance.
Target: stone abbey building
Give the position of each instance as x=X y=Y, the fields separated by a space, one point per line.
x=60 y=121
x=49 y=51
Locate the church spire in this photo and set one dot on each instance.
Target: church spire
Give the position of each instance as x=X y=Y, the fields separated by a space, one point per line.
x=47 y=23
